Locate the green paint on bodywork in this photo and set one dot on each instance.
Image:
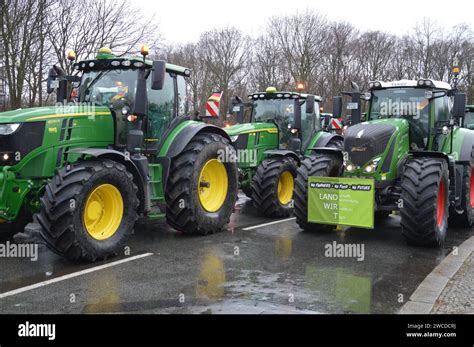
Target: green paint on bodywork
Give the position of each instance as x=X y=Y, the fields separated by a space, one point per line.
x=65 y=128
x=401 y=148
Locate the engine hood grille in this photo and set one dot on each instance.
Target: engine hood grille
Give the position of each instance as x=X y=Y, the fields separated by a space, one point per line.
x=365 y=141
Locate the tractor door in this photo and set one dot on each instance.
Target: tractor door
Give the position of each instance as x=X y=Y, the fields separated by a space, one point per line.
x=163 y=106
x=310 y=124
x=440 y=117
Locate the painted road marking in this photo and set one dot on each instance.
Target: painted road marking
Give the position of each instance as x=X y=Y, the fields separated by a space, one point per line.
x=71 y=275
x=271 y=223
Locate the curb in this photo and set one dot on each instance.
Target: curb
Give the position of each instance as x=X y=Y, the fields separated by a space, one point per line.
x=424 y=297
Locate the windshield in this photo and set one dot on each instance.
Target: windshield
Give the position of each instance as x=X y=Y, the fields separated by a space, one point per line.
x=399 y=103
x=103 y=88
x=469 y=120
x=279 y=110
x=407 y=103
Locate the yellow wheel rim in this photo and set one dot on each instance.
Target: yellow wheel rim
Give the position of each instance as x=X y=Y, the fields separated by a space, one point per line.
x=286 y=184
x=213 y=185
x=103 y=212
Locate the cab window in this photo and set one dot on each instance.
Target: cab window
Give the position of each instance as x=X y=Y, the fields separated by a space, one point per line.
x=161 y=107
x=182 y=96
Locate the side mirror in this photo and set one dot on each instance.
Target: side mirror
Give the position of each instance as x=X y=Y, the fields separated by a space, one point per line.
x=233 y=104
x=459 y=106
x=141 y=97
x=158 y=75
x=52 y=82
x=297 y=124
x=337 y=106
x=310 y=103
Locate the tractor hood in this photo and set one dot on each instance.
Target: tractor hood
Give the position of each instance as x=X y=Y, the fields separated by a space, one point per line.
x=43 y=113
x=250 y=127
x=368 y=140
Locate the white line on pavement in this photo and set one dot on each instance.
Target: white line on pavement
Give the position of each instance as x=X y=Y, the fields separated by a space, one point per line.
x=271 y=223
x=71 y=275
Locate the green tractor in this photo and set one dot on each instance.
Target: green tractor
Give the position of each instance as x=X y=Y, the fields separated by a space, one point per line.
x=125 y=148
x=469 y=118
x=412 y=147
x=284 y=126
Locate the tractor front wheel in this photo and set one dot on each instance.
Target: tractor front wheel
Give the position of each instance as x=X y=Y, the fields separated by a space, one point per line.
x=316 y=165
x=273 y=185
x=202 y=189
x=88 y=210
x=425 y=197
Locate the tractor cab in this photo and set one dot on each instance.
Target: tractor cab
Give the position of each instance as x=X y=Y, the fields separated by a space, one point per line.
x=290 y=118
x=112 y=82
x=423 y=104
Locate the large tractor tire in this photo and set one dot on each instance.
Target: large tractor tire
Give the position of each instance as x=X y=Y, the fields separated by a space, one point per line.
x=466 y=218
x=316 y=165
x=273 y=185
x=201 y=190
x=88 y=210
x=425 y=196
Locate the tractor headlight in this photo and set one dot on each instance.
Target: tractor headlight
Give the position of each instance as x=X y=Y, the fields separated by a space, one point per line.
x=234 y=138
x=445 y=130
x=8 y=129
x=350 y=167
x=371 y=168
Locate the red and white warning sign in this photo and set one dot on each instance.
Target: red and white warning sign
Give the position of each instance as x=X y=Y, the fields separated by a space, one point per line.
x=212 y=105
x=336 y=123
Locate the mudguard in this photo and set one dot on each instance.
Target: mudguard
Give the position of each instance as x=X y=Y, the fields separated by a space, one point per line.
x=187 y=134
x=328 y=150
x=140 y=178
x=324 y=140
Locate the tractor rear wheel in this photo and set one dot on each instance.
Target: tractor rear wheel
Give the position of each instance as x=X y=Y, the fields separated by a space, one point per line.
x=202 y=189
x=425 y=197
x=273 y=185
x=316 y=165
x=466 y=218
x=88 y=210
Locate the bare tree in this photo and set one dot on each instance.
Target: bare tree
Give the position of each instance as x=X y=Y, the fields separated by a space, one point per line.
x=21 y=25
x=227 y=53
x=303 y=39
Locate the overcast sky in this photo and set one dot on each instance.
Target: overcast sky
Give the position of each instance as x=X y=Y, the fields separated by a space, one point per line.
x=395 y=16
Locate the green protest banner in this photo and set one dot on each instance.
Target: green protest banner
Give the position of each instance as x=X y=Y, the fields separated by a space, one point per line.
x=341 y=201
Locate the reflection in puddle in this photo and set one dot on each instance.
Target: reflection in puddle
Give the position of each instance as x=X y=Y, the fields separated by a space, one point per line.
x=349 y=292
x=283 y=248
x=211 y=278
x=103 y=288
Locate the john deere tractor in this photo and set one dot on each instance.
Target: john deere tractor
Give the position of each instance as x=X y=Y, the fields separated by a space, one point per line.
x=413 y=148
x=284 y=126
x=124 y=149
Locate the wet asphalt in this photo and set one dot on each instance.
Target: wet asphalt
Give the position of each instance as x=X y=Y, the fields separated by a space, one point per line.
x=245 y=269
